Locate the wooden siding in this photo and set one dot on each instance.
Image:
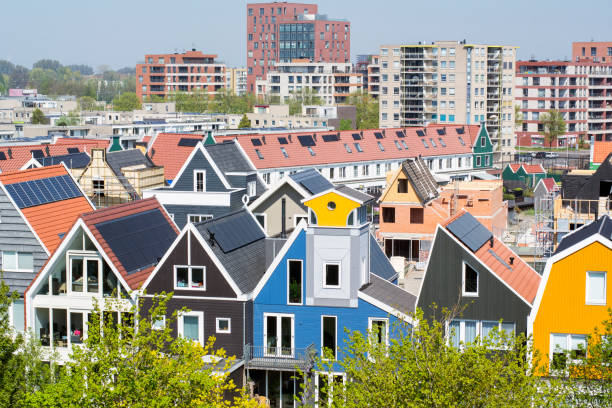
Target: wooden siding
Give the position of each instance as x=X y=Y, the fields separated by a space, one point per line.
x=199 y=162
x=272 y=208
x=180 y=212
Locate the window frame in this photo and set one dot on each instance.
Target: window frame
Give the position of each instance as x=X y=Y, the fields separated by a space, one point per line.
x=181 y=324
x=83 y=256
x=325 y=285
x=208 y=217
x=371 y=320
x=155 y=325
x=252 y=188
x=195 y=180
x=18 y=269
x=189 y=277
x=229 y=325
x=278 y=346
x=265 y=219
x=567 y=351
x=596 y=302
x=301 y=282
x=464 y=270
x=335 y=336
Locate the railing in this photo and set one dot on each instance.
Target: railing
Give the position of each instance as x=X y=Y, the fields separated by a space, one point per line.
x=279 y=357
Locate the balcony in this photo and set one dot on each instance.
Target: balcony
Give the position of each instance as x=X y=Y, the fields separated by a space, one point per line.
x=280 y=358
x=493 y=55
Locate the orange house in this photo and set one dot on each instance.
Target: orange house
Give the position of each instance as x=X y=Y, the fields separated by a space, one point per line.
x=574 y=295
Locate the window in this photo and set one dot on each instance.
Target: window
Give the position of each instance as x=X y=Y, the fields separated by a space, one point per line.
x=98 y=187
x=278 y=335
x=366 y=170
x=470 y=281
x=328 y=335
x=355 y=171
x=261 y=219
x=379 y=330
x=17 y=261
x=402 y=185
x=85 y=274
x=564 y=347
x=191 y=326
x=478 y=161
x=294 y=282
x=388 y=214
x=467 y=331
x=193 y=218
x=596 y=288
x=332 y=275
x=199 y=180
x=190 y=277
x=252 y=188
x=416 y=216
x=159 y=323
x=224 y=325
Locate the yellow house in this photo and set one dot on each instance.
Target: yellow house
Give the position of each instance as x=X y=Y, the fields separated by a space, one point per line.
x=339 y=206
x=574 y=295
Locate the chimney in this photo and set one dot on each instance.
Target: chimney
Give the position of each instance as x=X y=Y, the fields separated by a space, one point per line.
x=338 y=135
x=511 y=260
x=289 y=137
x=263 y=139
x=491 y=242
x=10 y=153
x=211 y=239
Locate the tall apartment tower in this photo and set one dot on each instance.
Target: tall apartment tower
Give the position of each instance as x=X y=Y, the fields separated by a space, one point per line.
x=450 y=82
x=163 y=74
x=282 y=32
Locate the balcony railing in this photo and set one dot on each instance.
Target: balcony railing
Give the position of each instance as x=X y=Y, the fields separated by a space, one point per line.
x=279 y=357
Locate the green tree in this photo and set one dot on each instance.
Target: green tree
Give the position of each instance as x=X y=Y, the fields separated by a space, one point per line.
x=127 y=101
x=38 y=117
x=345 y=124
x=244 y=122
x=518 y=116
x=195 y=102
x=554 y=125
x=50 y=64
x=87 y=103
x=81 y=68
x=304 y=97
x=19 y=77
x=6 y=67
x=366 y=110
x=72 y=119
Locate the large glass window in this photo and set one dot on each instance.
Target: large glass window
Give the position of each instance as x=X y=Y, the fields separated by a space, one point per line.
x=85 y=274
x=328 y=335
x=279 y=335
x=190 y=277
x=294 y=282
x=191 y=326
x=470 y=281
x=566 y=347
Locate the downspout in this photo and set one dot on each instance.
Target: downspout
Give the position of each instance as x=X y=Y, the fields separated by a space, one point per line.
x=283 y=220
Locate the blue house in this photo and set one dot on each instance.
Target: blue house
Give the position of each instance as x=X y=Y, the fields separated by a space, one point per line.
x=329 y=276
x=215 y=180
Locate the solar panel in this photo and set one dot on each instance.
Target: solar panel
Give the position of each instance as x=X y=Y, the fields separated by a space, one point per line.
x=469 y=231
x=312 y=181
x=420 y=133
x=138 y=240
x=441 y=131
x=306 y=140
x=331 y=138
x=256 y=142
x=282 y=140
x=235 y=231
x=185 y=141
x=37 y=154
x=43 y=191
x=2 y=156
x=73 y=150
x=378 y=135
x=356 y=136
x=399 y=133
x=460 y=130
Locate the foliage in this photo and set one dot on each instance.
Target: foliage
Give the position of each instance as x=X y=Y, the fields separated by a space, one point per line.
x=508 y=196
x=127 y=71
x=366 y=110
x=554 y=125
x=53 y=65
x=195 y=102
x=307 y=96
x=244 y=122
x=38 y=117
x=3 y=84
x=72 y=119
x=6 y=67
x=226 y=101
x=87 y=103
x=81 y=69
x=127 y=101
x=345 y=124
x=518 y=116
x=19 y=77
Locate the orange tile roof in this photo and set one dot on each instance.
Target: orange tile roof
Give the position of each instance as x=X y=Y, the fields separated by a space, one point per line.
x=601 y=150
x=165 y=151
x=515 y=166
x=533 y=168
x=520 y=277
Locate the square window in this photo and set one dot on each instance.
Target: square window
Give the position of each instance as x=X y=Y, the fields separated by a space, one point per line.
x=332 y=275
x=416 y=216
x=190 y=277
x=223 y=325
x=470 y=281
x=159 y=323
x=596 y=288
x=402 y=185
x=388 y=214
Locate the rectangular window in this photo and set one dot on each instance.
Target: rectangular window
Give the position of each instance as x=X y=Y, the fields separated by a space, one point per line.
x=388 y=214
x=478 y=161
x=98 y=187
x=278 y=335
x=252 y=188
x=470 y=281
x=190 y=277
x=332 y=275
x=159 y=323
x=379 y=330
x=17 y=261
x=565 y=348
x=328 y=335
x=223 y=325
x=402 y=185
x=596 y=288
x=199 y=180
x=416 y=216
x=193 y=218
x=294 y=282
x=191 y=326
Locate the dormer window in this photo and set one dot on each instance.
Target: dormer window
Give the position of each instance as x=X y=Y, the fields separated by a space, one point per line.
x=199 y=180
x=332 y=275
x=470 y=281
x=189 y=277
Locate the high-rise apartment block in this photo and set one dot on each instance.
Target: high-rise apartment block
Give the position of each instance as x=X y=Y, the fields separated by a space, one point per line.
x=282 y=32
x=236 y=80
x=450 y=82
x=367 y=66
x=163 y=74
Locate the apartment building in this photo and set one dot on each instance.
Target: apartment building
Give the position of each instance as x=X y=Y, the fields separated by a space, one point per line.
x=236 y=79
x=163 y=74
x=282 y=32
x=592 y=51
x=450 y=82
x=332 y=82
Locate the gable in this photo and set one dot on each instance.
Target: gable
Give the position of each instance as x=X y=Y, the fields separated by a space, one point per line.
x=482 y=135
x=326 y=216
x=393 y=195
x=185 y=180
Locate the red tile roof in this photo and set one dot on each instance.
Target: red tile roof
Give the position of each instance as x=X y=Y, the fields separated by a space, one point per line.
x=520 y=277
x=533 y=168
x=134 y=280
x=550 y=184
x=601 y=150
x=335 y=152
x=165 y=151
x=52 y=219
x=515 y=166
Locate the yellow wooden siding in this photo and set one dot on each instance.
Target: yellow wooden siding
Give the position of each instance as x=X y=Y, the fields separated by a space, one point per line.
x=332 y=218
x=393 y=196
x=563 y=308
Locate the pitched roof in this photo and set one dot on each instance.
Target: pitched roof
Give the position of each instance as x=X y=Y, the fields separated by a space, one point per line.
x=389 y=294
x=59 y=200
x=228 y=157
x=355 y=194
x=120 y=159
x=302 y=149
x=550 y=184
x=170 y=150
x=533 y=168
x=602 y=226
x=312 y=181
x=514 y=166
x=601 y=151
x=134 y=235
x=420 y=177
x=517 y=275
x=72 y=161
x=473 y=134
x=379 y=263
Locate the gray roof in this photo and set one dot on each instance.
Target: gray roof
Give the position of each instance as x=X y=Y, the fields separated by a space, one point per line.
x=229 y=158
x=602 y=226
x=421 y=178
x=246 y=264
x=379 y=263
x=125 y=158
x=72 y=161
x=389 y=294
x=356 y=194
x=312 y=181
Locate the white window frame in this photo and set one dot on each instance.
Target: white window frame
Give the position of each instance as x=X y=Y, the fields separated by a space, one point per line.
x=301 y=282
x=329 y=375
x=478 y=160
x=181 y=327
x=299 y=216
x=206 y=217
x=325 y=285
x=195 y=180
x=189 y=277
x=596 y=301
x=335 y=337
x=17 y=262
x=567 y=350
x=84 y=256
x=252 y=188
x=229 y=325
x=278 y=337
x=159 y=324
x=463 y=292
x=381 y=319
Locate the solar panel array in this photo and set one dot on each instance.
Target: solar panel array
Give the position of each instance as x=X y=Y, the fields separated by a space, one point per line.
x=73 y=150
x=356 y=136
x=185 y=141
x=37 y=154
x=400 y=133
x=235 y=231
x=378 y=135
x=306 y=140
x=331 y=138
x=469 y=231
x=2 y=156
x=420 y=133
x=312 y=181
x=442 y=131
x=460 y=130
x=38 y=192
x=138 y=240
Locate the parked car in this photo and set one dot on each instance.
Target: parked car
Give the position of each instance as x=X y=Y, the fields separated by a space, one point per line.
x=540 y=155
x=551 y=155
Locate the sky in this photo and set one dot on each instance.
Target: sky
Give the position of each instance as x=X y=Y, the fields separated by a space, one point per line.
x=119 y=33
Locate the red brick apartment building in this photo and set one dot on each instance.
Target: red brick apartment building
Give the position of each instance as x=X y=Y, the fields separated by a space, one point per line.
x=282 y=32
x=163 y=74
x=592 y=51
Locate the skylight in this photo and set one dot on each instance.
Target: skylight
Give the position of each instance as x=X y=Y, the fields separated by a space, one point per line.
x=358 y=148
x=259 y=154
x=284 y=152
x=381 y=147
x=425 y=143
x=348 y=148
x=432 y=142
x=397 y=145
x=404 y=144
x=312 y=153
x=441 y=142
x=461 y=141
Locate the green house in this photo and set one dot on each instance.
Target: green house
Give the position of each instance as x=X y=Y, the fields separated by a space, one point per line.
x=530 y=174
x=482 y=149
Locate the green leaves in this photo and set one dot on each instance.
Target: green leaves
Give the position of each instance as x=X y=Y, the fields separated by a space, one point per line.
x=127 y=101
x=366 y=110
x=554 y=125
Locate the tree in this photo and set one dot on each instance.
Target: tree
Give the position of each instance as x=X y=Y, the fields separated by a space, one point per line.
x=195 y=102
x=50 y=64
x=244 y=122
x=87 y=103
x=307 y=96
x=38 y=117
x=554 y=125
x=127 y=71
x=6 y=67
x=345 y=124
x=19 y=77
x=127 y=101
x=82 y=69
x=518 y=116
x=366 y=110
x=72 y=119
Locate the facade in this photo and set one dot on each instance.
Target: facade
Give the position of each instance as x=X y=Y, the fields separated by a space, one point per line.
x=332 y=82
x=163 y=74
x=530 y=174
x=236 y=80
x=544 y=193
x=470 y=268
x=574 y=296
x=450 y=82
x=282 y=32
x=592 y=51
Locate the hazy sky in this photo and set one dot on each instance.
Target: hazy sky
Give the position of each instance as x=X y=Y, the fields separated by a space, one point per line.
x=120 y=32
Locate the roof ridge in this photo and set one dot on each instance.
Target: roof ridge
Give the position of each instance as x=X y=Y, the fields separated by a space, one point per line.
x=116 y=208
x=32 y=170
x=219 y=218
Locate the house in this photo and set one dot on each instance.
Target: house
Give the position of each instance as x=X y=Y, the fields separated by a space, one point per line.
x=529 y=174
x=76 y=163
x=468 y=267
x=574 y=296
x=482 y=148
x=118 y=177
x=104 y=254
x=330 y=277
x=37 y=208
x=171 y=150
x=215 y=179
x=544 y=194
